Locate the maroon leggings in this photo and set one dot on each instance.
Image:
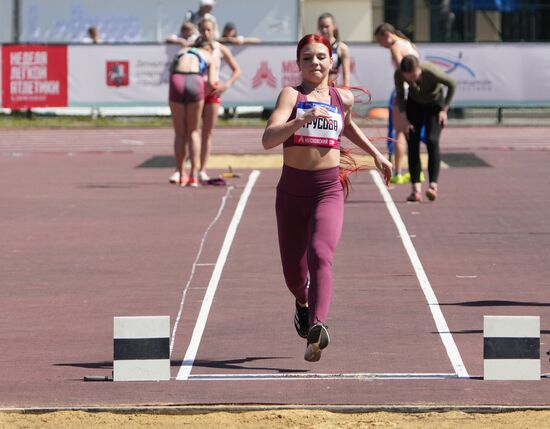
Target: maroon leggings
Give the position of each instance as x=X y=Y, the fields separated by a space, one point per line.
x=310 y=212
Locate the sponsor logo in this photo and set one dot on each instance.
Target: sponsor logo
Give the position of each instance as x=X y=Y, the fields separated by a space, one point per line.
x=34 y=76
x=290 y=73
x=264 y=75
x=450 y=65
x=118 y=73
x=317 y=141
x=465 y=76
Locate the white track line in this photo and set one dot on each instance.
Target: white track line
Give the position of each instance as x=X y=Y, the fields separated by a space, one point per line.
x=196 y=264
x=313 y=376
x=440 y=323
x=189 y=359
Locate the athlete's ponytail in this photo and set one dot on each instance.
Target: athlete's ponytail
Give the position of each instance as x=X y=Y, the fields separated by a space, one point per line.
x=386 y=27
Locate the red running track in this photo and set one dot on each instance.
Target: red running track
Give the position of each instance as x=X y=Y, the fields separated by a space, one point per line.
x=240 y=140
x=88 y=236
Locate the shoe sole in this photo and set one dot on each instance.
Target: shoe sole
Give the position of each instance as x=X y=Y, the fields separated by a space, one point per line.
x=317 y=340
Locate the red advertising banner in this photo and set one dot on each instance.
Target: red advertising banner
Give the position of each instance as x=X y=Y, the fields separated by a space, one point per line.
x=34 y=76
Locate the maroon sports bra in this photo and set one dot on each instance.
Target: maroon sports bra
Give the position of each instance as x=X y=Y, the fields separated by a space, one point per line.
x=322 y=132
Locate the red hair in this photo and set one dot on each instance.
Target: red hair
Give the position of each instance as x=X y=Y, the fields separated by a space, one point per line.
x=309 y=39
x=348 y=165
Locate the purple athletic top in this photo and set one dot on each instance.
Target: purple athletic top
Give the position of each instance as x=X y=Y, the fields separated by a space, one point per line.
x=322 y=132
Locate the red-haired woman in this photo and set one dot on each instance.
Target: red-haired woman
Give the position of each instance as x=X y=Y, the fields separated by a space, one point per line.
x=309 y=121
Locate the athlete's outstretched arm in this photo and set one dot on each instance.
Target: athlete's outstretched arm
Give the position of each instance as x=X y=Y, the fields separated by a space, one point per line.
x=278 y=127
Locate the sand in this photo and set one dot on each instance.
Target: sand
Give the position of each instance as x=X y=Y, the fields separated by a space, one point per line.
x=276 y=419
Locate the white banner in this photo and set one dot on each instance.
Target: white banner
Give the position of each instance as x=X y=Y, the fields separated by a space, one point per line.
x=486 y=74
x=119 y=75
x=137 y=75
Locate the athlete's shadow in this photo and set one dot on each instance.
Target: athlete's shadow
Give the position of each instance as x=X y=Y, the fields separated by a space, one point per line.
x=498 y=303
x=204 y=363
x=238 y=364
x=106 y=364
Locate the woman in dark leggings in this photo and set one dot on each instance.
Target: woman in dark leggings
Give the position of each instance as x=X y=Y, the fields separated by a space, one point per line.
x=426 y=106
x=309 y=121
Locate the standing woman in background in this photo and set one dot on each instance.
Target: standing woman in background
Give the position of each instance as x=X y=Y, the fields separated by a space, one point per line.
x=186 y=99
x=207 y=29
x=326 y=25
x=430 y=93
x=309 y=121
x=399 y=45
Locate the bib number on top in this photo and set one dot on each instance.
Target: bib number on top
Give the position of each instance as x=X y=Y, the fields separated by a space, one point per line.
x=321 y=131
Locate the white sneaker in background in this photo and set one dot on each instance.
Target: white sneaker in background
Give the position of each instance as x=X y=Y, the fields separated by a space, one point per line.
x=203 y=177
x=175 y=177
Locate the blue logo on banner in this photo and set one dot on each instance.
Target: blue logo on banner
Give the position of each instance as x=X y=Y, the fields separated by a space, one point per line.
x=449 y=65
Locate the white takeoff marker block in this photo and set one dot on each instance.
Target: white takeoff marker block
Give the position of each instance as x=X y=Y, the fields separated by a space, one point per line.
x=141 y=348
x=511 y=347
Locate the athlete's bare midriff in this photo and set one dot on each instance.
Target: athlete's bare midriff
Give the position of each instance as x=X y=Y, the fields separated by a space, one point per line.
x=311 y=157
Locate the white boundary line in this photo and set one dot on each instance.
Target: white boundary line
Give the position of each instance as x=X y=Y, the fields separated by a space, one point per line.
x=437 y=314
x=196 y=264
x=313 y=376
x=189 y=359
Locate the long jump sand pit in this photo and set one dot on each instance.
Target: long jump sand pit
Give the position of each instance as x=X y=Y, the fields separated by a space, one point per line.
x=276 y=419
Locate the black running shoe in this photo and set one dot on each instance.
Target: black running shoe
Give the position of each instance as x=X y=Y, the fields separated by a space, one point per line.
x=301 y=320
x=317 y=340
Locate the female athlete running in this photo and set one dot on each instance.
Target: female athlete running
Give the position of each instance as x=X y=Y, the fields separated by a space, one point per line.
x=309 y=121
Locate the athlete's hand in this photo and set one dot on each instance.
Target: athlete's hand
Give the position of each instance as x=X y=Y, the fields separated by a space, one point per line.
x=314 y=113
x=442 y=118
x=219 y=89
x=385 y=168
x=408 y=128
x=209 y=88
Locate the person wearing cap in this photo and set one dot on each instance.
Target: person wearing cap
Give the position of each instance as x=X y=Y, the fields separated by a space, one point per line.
x=186 y=37
x=205 y=11
x=229 y=35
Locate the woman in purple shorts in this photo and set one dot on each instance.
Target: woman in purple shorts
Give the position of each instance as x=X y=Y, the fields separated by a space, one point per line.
x=309 y=121
x=186 y=96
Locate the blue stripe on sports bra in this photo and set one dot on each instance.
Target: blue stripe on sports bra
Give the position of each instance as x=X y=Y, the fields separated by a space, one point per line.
x=203 y=65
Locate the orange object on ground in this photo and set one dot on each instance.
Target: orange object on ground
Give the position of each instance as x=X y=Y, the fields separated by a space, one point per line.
x=378 y=113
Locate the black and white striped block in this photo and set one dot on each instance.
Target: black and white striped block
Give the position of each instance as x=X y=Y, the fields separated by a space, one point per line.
x=141 y=348
x=511 y=347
